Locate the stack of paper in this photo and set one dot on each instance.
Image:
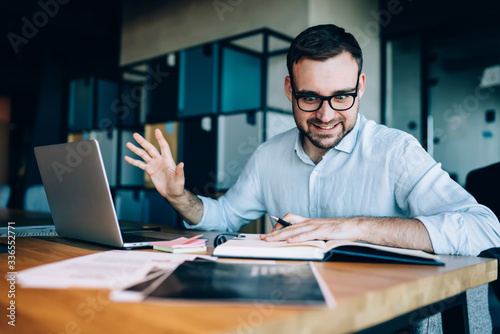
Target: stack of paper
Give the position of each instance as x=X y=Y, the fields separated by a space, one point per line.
x=113 y=269
x=182 y=245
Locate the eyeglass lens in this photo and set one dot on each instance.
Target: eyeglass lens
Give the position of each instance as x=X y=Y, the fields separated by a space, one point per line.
x=312 y=103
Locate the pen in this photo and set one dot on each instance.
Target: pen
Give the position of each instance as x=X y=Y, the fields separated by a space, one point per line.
x=281 y=221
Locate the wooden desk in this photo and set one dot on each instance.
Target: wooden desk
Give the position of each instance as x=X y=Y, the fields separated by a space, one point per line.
x=366 y=295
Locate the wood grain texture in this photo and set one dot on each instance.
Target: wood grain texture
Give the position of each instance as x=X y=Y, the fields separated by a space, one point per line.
x=366 y=294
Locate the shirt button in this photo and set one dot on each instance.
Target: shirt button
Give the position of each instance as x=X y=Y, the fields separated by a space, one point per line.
x=315 y=173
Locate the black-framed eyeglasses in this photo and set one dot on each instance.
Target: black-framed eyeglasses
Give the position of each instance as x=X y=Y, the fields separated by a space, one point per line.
x=313 y=102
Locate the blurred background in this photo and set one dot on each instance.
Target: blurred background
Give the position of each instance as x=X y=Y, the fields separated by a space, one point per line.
x=210 y=75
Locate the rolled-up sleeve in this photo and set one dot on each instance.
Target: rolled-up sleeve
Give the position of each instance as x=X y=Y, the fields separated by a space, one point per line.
x=456 y=223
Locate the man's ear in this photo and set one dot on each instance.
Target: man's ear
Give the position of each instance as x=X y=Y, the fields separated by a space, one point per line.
x=361 y=85
x=288 y=87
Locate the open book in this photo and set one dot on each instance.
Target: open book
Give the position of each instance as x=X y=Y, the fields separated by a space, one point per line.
x=251 y=246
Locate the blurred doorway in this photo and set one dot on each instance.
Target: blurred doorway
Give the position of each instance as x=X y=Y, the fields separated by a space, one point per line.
x=442 y=88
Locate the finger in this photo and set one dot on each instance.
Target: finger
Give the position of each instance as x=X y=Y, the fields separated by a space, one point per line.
x=179 y=170
x=276 y=234
x=139 y=151
x=176 y=171
x=136 y=163
x=294 y=219
x=289 y=218
x=150 y=148
x=164 y=147
x=179 y=174
x=289 y=232
x=314 y=234
x=275 y=229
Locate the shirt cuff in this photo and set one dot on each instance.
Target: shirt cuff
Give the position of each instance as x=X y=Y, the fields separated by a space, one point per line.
x=443 y=242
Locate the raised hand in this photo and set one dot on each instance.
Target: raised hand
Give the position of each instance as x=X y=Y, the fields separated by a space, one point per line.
x=167 y=177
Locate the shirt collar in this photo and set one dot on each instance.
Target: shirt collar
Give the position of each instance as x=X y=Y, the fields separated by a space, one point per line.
x=349 y=141
x=299 y=149
x=346 y=144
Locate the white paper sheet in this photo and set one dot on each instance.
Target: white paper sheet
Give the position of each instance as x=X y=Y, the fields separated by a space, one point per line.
x=113 y=269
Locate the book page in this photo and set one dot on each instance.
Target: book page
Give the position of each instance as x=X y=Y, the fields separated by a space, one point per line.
x=255 y=240
x=256 y=248
x=410 y=252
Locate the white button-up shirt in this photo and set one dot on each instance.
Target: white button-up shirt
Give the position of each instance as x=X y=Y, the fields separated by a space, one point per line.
x=374 y=171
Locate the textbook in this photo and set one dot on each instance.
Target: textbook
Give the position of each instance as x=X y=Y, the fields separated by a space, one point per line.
x=251 y=246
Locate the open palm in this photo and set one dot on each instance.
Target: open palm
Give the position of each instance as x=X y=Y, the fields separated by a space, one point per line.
x=167 y=177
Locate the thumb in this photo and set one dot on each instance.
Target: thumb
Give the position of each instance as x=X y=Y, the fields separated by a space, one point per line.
x=179 y=173
x=179 y=169
x=277 y=227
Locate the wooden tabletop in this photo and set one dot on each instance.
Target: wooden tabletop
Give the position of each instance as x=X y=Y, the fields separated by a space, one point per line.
x=366 y=295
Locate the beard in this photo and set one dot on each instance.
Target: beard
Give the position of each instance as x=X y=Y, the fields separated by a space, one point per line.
x=325 y=141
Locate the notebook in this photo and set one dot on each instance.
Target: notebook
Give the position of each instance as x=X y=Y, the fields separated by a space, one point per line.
x=251 y=246
x=79 y=196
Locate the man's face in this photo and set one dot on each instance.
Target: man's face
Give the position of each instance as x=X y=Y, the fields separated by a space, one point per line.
x=325 y=128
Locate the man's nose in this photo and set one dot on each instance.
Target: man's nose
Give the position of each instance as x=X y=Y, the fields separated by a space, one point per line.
x=325 y=114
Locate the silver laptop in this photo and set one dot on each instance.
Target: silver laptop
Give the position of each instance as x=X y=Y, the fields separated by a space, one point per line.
x=79 y=196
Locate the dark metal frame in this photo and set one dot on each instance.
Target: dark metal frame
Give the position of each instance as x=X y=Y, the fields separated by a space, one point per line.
x=453 y=312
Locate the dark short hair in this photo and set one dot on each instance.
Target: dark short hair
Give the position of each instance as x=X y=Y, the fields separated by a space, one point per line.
x=322 y=42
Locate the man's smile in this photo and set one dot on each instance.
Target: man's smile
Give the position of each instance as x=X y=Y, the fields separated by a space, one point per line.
x=325 y=128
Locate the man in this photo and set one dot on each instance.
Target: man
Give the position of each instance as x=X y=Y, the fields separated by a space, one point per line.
x=338 y=175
